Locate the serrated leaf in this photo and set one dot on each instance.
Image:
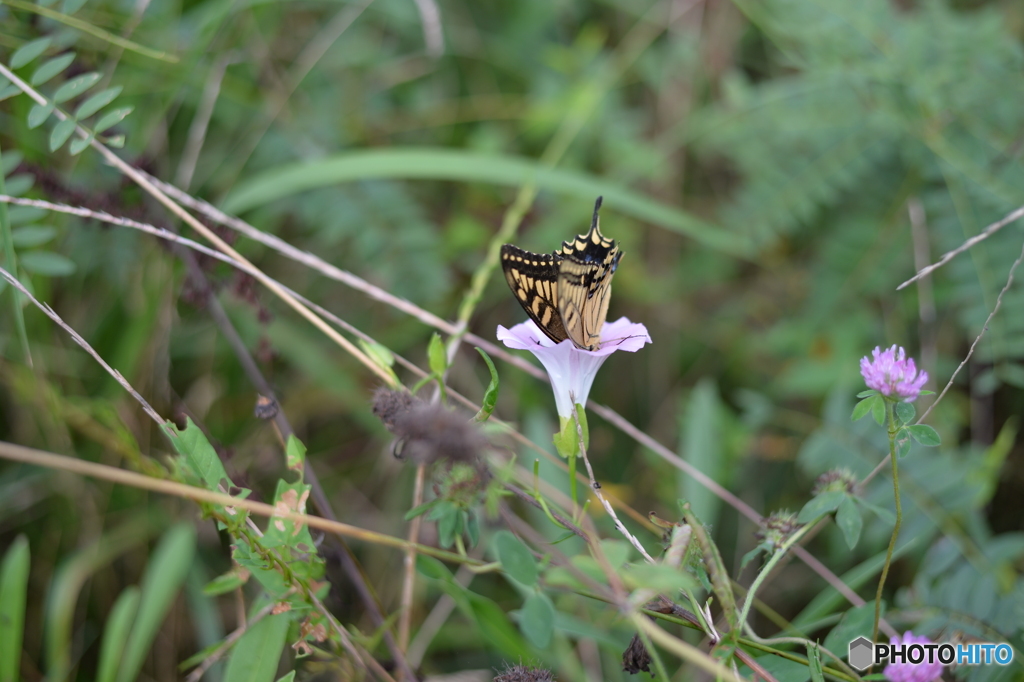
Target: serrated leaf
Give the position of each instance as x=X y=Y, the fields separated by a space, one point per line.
x=111 y=118
x=75 y=87
x=491 y=394
x=905 y=412
x=38 y=114
x=436 y=355
x=30 y=236
x=96 y=102
x=849 y=521
x=61 y=132
x=47 y=263
x=29 y=51
x=51 y=68
x=925 y=435
x=537 y=620
x=9 y=91
x=79 y=144
x=515 y=558
x=824 y=503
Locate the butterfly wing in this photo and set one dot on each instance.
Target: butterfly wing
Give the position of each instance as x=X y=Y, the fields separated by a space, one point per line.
x=533 y=278
x=585 y=283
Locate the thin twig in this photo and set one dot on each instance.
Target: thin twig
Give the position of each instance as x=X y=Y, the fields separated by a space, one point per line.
x=150 y=188
x=596 y=488
x=368 y=661
x=13 y=281
x=201 y=120
x=981 y=236
x=50 y=460
x=430 y=17
x=970 y=352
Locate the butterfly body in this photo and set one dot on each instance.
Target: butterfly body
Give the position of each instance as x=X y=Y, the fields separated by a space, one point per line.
x=567 y=291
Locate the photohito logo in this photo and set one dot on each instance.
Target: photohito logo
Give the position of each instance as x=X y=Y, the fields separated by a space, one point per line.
x=862 y=653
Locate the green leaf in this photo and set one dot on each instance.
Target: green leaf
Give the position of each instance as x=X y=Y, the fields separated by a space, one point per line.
x=295 y=453
x=537 y=620
x=903 y=447
x=618 y=552
x=665 y=579
x=29 y=51
x=905 y=412
x=116 y=141
x=823 y=503
x=51 y=68
x=472 y=528
x=849 y=521
x=226 y=582
x=287 y=677
x=284 y=532
x=38 y=114
x=925 y=435
x=47 y=263
x=473 y=166
x=432 y=568
x=814 y=662
x=515 y=558
x=423 y=508
x=18 y=184
x=29 y=236
x=198 y=456
x=855 y=623
x=72 y=6
x=447 y=524
x=567 y=441
x=863 y=407
x=166 y=571
x=880 y=512
x=79 y=144
x=255 y=656
x=878 y=413
x=13 y=594
x=115 y=633
x=436 y=355
x=111 y=118
x=61 y=132
x=75 y=87
x=96 y=102
x=869 y=392
x=8 y=91
x=491 y=394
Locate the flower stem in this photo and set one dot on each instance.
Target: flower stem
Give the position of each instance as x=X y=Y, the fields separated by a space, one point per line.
x=572 y=483
x=893 y=430
x=770 y=564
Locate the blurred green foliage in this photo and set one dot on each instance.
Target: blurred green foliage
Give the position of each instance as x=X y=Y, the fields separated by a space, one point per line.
x=760 y=163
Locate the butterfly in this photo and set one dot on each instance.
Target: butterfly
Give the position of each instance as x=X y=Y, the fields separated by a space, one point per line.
x=567 y=291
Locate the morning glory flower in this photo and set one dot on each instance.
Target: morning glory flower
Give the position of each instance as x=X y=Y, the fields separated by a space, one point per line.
x=571 y=369
x=913 y=672
x=893 y=374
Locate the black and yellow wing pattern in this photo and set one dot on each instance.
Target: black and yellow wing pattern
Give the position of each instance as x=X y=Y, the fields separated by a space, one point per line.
x=566 y=292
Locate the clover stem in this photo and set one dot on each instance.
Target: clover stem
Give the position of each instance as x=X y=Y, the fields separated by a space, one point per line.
x=893 y=430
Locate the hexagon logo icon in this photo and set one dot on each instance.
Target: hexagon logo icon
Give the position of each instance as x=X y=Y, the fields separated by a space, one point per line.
x=861 y=653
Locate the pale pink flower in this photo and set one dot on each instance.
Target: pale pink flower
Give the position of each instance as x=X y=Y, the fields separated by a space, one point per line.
x=571 y=369
x=893 y=374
